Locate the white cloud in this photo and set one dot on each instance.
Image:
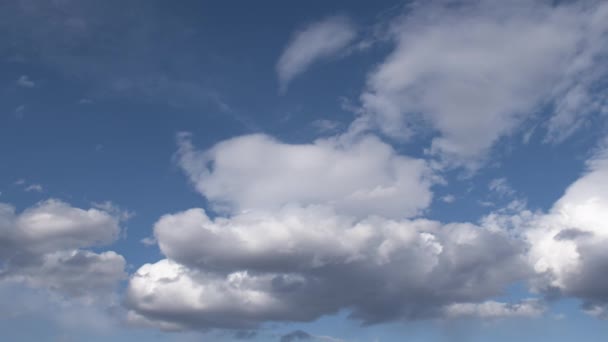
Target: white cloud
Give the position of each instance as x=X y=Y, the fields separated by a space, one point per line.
x=360 y=176
x=475 y=72
x=318 y=41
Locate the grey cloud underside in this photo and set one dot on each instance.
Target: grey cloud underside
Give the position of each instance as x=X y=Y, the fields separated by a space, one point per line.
x=303 y=263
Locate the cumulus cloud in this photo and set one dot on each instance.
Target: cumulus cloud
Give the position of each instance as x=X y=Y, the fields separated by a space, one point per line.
x=318 y=41
x=360 y=176
x=569 y=243
x=42 y=247
x=300 y=263
x=476 y=71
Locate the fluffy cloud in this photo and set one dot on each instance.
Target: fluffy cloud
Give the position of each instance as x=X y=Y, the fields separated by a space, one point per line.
x=299 y=263
x=360 y=176
x=42 y=247
x=569 y=243
x=476 y=71
x=318 y=41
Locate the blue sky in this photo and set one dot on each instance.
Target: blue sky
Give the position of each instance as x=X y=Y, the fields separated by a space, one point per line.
x=327 y=171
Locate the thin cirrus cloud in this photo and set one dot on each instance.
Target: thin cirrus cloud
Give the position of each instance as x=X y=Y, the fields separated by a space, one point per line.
x=476 y=73
x=318 y=41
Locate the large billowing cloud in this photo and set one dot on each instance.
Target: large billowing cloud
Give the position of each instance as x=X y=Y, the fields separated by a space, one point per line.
x=360 y=176
x=475 y=71
x=299 y=263
x=42 y=247
x=318 y=41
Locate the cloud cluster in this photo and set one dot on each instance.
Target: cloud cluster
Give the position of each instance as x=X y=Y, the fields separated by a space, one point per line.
x=310 y=230
x=294 y=232
x=43 y=247
x=280 y=259
x=476 y=71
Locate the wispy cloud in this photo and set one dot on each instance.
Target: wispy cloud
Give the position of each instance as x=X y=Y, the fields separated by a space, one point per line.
x=25 y=82
x=318 y=41
x=34 y=188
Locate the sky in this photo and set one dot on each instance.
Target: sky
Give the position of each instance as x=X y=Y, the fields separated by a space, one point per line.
x=315 y=171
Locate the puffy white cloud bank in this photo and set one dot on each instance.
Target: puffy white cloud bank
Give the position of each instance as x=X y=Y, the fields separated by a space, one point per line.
x=280 y=259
